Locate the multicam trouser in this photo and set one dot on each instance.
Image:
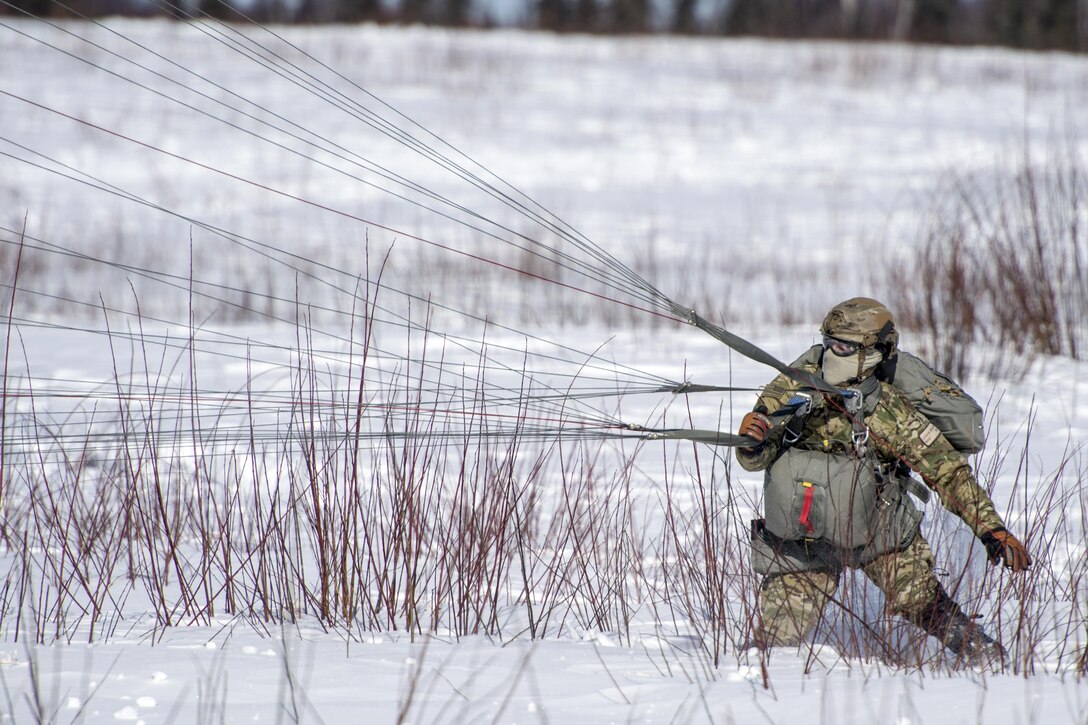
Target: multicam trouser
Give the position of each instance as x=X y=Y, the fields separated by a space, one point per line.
x=791 y=603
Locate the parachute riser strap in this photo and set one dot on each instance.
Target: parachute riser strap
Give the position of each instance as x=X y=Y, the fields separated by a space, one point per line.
x=709 y=437
x=752 y=352
x=690 y=387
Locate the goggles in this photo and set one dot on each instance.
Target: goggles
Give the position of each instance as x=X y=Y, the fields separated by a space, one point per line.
x=842 y=348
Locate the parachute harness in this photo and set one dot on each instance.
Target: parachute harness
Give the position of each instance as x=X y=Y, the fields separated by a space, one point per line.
x=854 y=400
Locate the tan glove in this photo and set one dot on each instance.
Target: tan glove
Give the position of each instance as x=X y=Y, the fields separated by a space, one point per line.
x=755 y=425
x=1003 y=546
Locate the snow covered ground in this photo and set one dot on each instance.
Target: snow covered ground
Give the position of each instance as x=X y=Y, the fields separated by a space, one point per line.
x=238 y=677
x=760 y=182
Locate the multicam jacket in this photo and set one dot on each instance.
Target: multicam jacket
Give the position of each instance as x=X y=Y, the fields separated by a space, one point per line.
x=897 y=432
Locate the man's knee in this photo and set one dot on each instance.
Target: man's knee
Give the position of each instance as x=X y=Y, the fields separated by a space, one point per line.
x=907 y=578
x=913 y=597
x=791 y=604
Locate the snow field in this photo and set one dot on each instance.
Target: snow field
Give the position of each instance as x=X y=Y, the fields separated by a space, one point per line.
x=741 y=177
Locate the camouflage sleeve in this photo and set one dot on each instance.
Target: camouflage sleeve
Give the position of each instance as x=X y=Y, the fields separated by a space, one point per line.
x=775 y=395
x=901 y=431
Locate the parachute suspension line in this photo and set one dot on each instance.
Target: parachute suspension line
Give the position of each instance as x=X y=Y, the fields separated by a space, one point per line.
x=565 y=395
x=654 y=296
x=457 y=341
x=544 y=216
x=438 y=409
x=311 y=203
x=319 y=206
x=401 y=321
x=537 y=399
x=179 y=282
x=570 y=263
x=636 y=288
x=615 y=275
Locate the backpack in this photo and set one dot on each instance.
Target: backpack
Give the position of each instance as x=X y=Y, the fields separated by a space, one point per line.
x=933 y=394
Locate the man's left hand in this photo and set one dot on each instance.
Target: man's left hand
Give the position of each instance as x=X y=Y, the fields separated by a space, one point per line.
x=1003 y=546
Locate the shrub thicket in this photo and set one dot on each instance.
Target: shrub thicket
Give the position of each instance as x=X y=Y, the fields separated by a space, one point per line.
x=1006 y=263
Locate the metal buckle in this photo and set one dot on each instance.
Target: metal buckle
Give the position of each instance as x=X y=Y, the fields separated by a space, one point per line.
x=801 y=403
x=855 y=405
x=853 y=399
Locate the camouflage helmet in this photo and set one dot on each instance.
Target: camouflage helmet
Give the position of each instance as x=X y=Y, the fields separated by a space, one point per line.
x=862 y=320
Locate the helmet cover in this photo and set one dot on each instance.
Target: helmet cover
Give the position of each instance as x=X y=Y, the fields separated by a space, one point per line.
x=862 y=320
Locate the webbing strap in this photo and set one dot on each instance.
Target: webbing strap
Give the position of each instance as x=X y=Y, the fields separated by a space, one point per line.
x=750 y=351
x=914 y=487
x=689 y=387
x=710 y=437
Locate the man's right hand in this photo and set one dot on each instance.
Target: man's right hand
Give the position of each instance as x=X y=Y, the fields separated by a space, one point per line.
x=755 y=425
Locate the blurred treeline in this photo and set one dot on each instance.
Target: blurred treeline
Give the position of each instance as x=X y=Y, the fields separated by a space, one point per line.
x=1028 y=24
